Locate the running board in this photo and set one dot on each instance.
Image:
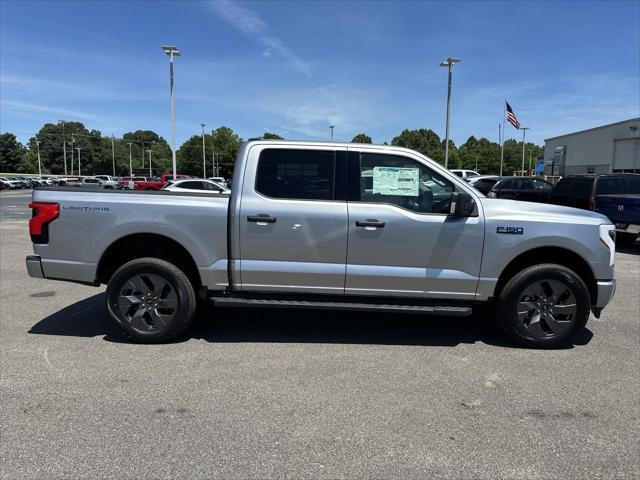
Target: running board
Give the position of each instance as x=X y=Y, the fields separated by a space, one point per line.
x=443 y=310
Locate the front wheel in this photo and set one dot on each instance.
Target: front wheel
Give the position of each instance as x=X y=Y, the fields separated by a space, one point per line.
x=151 y=300
x=543 y=306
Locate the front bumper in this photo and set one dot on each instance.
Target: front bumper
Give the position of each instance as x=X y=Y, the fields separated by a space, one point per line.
x=34 y=266
x=606 y=290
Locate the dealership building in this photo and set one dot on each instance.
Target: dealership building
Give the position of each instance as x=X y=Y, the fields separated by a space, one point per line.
x=607 y=149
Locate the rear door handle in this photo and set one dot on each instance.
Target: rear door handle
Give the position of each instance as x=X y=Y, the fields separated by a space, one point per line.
x=369 y=222
x=262 y=218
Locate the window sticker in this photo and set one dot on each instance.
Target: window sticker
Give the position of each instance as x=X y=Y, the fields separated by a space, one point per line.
x=396 y=181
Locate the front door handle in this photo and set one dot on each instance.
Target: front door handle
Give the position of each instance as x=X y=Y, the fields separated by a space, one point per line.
x=262 y=218
x=369 y=222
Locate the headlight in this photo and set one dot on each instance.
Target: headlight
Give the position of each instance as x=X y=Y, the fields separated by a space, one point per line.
x=608 y=239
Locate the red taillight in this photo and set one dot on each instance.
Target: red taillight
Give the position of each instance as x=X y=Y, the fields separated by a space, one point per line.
x=43 y=214
x=592 y=203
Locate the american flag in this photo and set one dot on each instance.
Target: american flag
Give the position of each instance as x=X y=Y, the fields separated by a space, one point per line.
x=512 y=116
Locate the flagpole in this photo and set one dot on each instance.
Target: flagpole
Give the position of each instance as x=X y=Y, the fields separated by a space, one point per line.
x=504 y=115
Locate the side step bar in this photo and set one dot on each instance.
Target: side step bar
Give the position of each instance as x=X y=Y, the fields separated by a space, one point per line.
x=257 y=302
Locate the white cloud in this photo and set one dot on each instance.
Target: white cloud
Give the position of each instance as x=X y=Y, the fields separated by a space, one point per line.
x=250 y=23
x=29 y=107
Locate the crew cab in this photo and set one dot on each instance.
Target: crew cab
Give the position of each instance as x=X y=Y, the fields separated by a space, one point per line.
x=157 y=183
x=331 y=226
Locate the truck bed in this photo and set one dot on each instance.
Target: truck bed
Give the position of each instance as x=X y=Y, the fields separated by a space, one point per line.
x=90 y=221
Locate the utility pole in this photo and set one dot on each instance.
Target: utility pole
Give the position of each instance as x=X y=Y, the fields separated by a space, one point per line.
x=204 y=160
x=64 y=148
x=73 y=144
x=142 y=143
x=524 y=130
x=130 y=162
x=39 y=164
x=113 y=154
x=331 y=127
x=149 y=152
x=79 y=148
x=476 y=163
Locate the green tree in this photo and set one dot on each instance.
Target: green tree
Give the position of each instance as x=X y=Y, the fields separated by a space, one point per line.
x=361 y=138
x=226 y=147
x=423 y=140
x=271 y=136
x=142 y=141
x=11 y=153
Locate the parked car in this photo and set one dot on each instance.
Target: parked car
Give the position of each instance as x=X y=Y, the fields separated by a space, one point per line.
x=484 y=183
x=12 y=182
x=280 y=239
x=615 y=195
x=86 y=182
x=528 y=189
x=134 y=180
x=123 y=182
x=157 y=183
x=221 y=180
x=465 y=174
x=108 y=181
x=195 y=185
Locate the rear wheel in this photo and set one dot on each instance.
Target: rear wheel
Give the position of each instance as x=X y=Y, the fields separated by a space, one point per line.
x=151 y=300
x=543 y=306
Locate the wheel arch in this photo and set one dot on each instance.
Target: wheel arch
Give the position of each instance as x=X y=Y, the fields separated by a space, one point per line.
x=138 y=245
x=557 y=255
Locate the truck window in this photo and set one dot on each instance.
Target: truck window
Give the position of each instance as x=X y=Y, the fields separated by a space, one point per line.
x=574 y=187
x=299 y=174
x=611 y=186
x=403 y=182
x=634 y=184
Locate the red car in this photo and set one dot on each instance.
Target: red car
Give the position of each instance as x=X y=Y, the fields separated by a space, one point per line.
x=157 y=183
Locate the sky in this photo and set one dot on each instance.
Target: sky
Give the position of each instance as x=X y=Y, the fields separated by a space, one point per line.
x=294 y=68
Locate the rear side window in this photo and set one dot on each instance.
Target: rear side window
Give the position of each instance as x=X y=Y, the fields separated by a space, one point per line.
x=634 y=184
x=541 y=185
x=505 y=184
x=611 y=186
x=299 y=174
x=574 y=187
x=191 y=185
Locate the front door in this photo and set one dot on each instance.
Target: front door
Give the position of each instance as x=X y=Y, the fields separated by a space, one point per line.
x=402 y=240
x=293 y=221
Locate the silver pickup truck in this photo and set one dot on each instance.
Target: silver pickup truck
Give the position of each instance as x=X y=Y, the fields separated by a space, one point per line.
x=332 y=226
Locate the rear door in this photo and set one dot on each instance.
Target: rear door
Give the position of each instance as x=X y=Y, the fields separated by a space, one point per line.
x=402 y=241
x=293 y=220
x=542 y=190
x=611 y=198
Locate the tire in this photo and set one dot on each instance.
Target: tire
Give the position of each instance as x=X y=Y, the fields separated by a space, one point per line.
x=151 y=300
x=534 y=307
x=626 y=239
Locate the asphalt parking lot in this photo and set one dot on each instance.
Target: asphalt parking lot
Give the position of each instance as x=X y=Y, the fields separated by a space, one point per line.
x=300 y=394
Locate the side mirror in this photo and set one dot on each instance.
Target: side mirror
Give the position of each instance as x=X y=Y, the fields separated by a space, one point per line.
x=463 y=205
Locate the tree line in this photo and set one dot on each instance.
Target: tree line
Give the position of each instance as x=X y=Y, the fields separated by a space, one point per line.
x=94 y=153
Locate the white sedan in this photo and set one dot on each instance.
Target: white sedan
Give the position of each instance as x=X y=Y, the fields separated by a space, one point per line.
x=194 y=185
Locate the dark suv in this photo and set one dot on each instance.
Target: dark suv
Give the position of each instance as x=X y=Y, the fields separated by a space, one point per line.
x=615 y=195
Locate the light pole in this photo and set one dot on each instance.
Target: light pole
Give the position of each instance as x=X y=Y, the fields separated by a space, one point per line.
x=149 y=152
x=79 y=148
x=204 y=160
x=448 y=63
x=172 y=51
x=213 y=153
x=39 y=164
x=113 y=153
x=524 y=130
x=130 y=162
x=64 y=148
x=332 y=127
